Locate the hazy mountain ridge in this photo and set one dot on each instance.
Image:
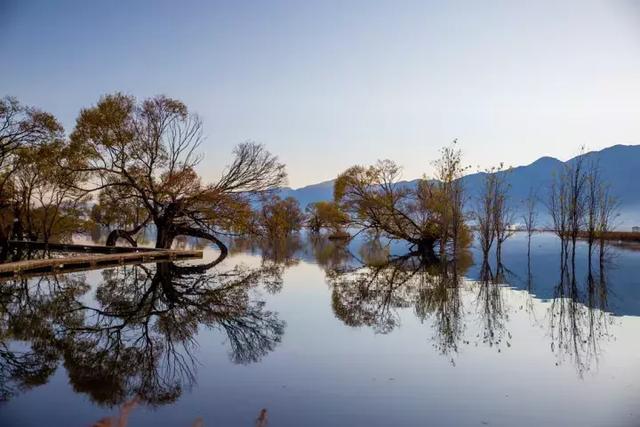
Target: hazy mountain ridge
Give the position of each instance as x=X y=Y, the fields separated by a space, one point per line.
x=619 y=165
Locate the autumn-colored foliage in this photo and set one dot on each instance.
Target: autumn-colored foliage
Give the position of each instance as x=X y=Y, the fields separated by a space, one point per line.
x=425 y=213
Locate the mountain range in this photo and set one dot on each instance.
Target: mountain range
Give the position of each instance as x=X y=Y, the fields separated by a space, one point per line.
x=619 y=166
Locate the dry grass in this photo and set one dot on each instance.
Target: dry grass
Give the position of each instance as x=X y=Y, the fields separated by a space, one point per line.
x=122 y=419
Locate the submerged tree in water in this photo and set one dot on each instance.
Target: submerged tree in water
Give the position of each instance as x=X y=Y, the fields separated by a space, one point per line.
x=278 y=218
x=151 y=150
x=426 y=214
x=327 y=215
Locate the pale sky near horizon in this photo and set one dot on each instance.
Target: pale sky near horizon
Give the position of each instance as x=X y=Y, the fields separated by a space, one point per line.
x=329 y=84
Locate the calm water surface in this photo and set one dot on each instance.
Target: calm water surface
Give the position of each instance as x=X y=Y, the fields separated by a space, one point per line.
x=320 y=335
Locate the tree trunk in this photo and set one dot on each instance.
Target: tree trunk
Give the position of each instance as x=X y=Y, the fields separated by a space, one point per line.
x=164 y=237
x=195 y=232
x=4 y=245
x=114 y=235
x=425 y=249
x=164 y=233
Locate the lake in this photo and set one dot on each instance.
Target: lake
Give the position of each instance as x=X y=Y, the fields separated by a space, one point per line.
x=311 y=333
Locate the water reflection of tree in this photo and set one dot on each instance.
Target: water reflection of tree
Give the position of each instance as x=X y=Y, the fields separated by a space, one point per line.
x=492 y=308
x=138 y=336
x=370 y=294
x=579 y=320
x=329 y=254
x=441 y=300
x=23 y=307
x=277 y=255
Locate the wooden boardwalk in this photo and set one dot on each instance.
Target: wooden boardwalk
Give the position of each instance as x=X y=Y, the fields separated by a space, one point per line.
x=96 y=259
x=72 y=247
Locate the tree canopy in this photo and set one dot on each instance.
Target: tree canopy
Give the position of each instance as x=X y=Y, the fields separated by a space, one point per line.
x=424 y=213
x=149 y=150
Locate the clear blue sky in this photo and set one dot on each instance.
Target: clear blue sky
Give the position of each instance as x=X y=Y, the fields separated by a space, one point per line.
x=329 y=84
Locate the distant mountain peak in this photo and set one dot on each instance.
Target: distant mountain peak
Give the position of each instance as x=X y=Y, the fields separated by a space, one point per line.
x=544 y=159
x=619 y=165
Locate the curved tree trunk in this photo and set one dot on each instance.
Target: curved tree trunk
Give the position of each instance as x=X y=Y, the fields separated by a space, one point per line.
x=113 y=237
x=196 y=232
x=166 y=235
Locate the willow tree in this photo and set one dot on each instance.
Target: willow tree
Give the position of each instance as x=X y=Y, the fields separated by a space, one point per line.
x=449 y=171
x=377 y=200
x=326 y=214
x=278 y=218
x=20 y=127
x=46 y=202
x=151 y=149
x=119 y=209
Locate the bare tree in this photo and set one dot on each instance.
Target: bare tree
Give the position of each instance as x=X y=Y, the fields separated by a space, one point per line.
x=607 y=213
x=577 y=184
x=502 y=213
x=448 y=173
x=484 y=215
x=493 y=213
x=593 y=193
x=558 y=208
x=530 y=217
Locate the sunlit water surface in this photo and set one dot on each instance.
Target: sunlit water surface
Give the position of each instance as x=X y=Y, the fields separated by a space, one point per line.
x=317 y=341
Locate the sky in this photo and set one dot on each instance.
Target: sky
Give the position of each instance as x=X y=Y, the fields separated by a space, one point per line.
x=329 y=84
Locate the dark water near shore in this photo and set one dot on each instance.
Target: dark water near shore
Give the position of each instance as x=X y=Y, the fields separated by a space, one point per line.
x=309 y=334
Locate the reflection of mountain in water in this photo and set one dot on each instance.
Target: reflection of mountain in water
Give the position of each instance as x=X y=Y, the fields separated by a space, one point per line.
x=622 y=270
x=136 y=337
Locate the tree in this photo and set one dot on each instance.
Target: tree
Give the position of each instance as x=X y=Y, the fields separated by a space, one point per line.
x=577 y=177
x=279 y=218
x=326 y=215
x=593 y=185
x=568 y=202
x=449 y=172
x=558 y=208
x=151 y=149
x=484 y=215
x=424 y=214
x=119 y=209
x=46 y=202
x=20 y=127
x=502 y=212
x=607 y=211
x=376 y=200
x=530 y=217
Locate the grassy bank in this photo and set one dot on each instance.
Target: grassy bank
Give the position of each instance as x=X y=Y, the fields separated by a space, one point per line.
x=622 y=236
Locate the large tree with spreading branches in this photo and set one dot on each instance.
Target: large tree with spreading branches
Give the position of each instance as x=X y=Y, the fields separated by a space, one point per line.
x=149 y=150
